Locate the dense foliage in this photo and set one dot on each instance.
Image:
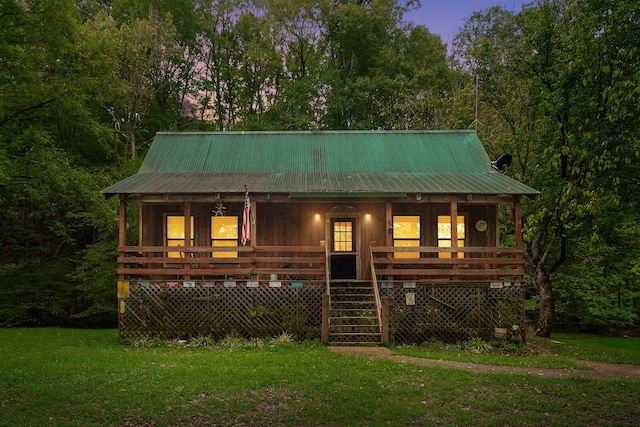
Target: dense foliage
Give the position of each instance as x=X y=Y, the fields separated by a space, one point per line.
x=86 y=84
x=560 y=84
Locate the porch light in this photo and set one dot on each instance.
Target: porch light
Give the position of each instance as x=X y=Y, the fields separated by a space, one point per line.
x=367 y=217
x=317 y=217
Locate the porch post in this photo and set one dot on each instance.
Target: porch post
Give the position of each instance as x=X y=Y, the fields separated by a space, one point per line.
x=388 y=222
x=384 y=320
x=140 y=221
x=517 y=218
x=517 y=205
x=187 y=238
x=454 y=228
x=122 y=226
x=325 y=319
x=122 y=230
x=252 y=224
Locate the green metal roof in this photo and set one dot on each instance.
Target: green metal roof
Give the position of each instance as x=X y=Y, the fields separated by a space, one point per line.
x=307 y=163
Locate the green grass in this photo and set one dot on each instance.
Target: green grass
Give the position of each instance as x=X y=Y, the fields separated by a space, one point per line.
x=559 y=352
x=56 y=377
x=450 y=352
x=596 y=348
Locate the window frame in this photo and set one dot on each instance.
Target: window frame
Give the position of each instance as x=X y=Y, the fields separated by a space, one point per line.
x=409 y=240
x=351 y=241
x=168 y=240
x=461 y=221
x=228 y=241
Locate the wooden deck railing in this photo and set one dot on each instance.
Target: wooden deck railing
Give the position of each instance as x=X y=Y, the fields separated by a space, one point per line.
x=376 y=291
x=478 y=264
x=195 y=262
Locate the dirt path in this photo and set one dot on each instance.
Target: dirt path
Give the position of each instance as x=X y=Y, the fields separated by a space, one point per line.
x=597 y=370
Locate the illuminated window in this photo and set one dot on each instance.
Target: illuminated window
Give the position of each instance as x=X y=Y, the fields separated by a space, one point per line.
x=444 y=235
x=175 y=234
x=224 y=232
x=406 y=233
x=343 y=235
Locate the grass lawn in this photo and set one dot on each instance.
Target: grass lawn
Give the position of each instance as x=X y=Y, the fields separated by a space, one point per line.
x=596 y=348
x=58 y=377
x=559 y=352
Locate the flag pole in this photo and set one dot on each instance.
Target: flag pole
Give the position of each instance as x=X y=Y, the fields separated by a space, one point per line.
x=246 y=223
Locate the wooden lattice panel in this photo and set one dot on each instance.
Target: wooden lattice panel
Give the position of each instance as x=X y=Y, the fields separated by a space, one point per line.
x=186 y=309
x=451 y=313
x=418 y=313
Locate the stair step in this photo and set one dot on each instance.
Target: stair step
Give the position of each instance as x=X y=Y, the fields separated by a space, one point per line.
x=356 y=330
x=333 y=301
x=356 y=344
x=352 y=297
x=353 y=317
x=351 y=334
x=348 y=331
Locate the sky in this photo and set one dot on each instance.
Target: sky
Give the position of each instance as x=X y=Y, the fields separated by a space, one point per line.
x=445 y=17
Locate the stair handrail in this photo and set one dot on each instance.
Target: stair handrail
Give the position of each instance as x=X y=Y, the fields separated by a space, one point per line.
x=374 y=283
x=326 y=265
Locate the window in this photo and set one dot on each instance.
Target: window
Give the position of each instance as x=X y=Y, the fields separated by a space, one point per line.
x=406 y=233
x=444 y=235
x=224 y=232
x=175 y=234
x=343 y=235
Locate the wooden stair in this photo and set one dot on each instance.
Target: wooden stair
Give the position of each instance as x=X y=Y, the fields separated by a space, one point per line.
x=353 y=315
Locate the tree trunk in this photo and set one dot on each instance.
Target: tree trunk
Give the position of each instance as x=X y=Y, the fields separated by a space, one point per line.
x=536 y=264
x=547 y=304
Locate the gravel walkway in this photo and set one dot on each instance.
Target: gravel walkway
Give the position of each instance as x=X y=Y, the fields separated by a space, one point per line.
x=595 y=370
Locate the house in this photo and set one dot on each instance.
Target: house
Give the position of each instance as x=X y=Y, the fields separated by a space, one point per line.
x=354 y=236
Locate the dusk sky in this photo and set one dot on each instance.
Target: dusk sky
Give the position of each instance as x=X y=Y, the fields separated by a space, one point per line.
x=445 y=17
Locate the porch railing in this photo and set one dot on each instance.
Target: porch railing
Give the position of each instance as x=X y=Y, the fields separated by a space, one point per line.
x=195 y=262
x=376 y=292
x=435 y=264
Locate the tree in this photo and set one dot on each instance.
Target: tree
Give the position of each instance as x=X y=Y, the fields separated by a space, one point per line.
x=297 y=92
x=50 y=208
x=569 y=113
x=147 y=55
x=383 y=74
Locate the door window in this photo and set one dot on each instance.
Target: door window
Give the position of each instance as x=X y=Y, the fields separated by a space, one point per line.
x=343 y=235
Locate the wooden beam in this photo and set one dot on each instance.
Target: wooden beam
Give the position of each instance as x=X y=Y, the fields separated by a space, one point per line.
x=187 y=234
x=388 y=223
x=517 y=206
x=253 y=220
x=454 y=226
x=122 y=223
x=122 y=228
x=384 y=320
x=140 y=229
x=324 y=338
x=283 y=198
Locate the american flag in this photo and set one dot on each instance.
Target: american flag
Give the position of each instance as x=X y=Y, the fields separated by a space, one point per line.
x=246 y=226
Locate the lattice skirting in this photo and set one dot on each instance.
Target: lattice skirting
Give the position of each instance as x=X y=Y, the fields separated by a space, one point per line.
x=417 y=312
x=187 y=309
x=424 y=312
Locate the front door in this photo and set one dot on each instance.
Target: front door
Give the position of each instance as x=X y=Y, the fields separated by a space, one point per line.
x=343 y=249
